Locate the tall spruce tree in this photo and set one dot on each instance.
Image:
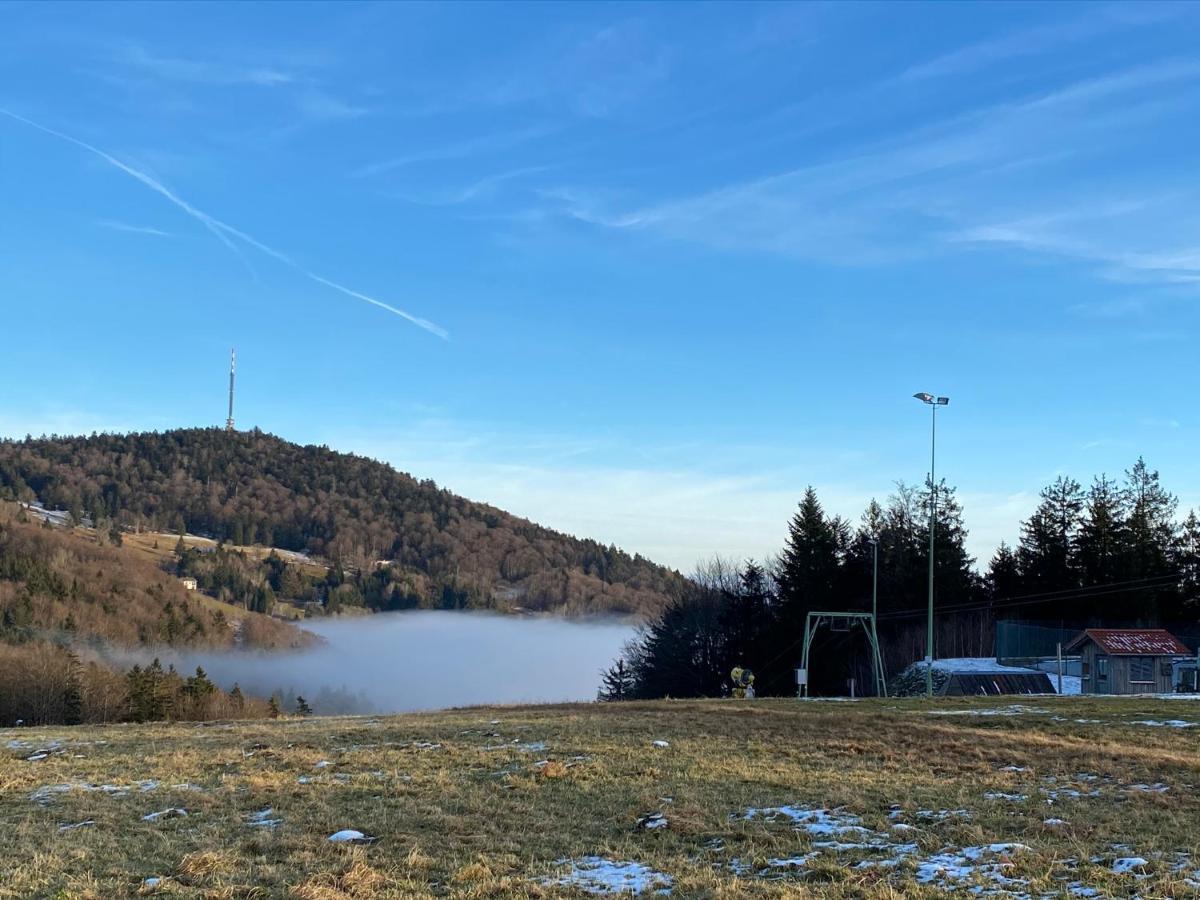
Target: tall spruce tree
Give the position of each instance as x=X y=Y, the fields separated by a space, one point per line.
x=1003 y=578
x=617 y=682
x=1047 y=552
x=1152 y=545
x=1101 y=554
x=808 y=567
x=1188 y=561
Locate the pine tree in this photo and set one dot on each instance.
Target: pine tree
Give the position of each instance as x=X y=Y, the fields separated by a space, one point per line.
x=302 y=707
x=237 y=697
x=273 y=707
x=1101 y=552
x=1188 y=561
x=1152 y=547
x=1004 y=574
x=1047 y=552
x=808 y=565
x=616 y=683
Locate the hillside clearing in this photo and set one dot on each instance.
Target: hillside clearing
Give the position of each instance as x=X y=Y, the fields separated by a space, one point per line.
x=886 y=798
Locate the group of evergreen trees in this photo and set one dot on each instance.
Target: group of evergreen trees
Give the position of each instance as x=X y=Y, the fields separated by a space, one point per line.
x=157 y=694
x=1112 y=554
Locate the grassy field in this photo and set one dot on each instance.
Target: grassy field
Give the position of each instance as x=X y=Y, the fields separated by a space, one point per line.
x=1044 y=797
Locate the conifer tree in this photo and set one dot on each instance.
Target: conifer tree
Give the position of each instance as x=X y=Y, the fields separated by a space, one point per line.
x=1101 y=551
x=1004 y=574
x=1152 y=548
x=1188 y=560
x=807 y=570
x=1047 y=552
x=617 y=682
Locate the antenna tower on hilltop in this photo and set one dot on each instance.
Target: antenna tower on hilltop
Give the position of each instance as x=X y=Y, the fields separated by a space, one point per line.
x=232 y=366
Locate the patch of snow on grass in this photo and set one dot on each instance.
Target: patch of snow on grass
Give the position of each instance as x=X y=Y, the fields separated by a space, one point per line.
x=173 y=812
x=597 y=875
x=1157 y=787
x=812 y=821
x=48 y=792
x=1169 y=723
x=1128 y=864
x=952 y=868
x=263 y=819
x=652 y=821
x=1015 y=709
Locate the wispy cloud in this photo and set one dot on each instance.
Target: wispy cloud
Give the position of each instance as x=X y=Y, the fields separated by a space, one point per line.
x=586 y=73
x=481 y=145
x=1041 y=39
x=324 y=107
x=1006 y=173
x=204 y=72
x=222 y=230
x=132 y=229
x=479 y=189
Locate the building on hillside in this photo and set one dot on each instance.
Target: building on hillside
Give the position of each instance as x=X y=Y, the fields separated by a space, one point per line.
x=188 y=583
x=1127 y=660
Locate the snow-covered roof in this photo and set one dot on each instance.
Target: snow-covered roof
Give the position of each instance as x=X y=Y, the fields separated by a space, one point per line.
x=972 y=665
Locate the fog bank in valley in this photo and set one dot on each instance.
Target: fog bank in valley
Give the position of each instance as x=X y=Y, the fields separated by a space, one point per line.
x=397 y=662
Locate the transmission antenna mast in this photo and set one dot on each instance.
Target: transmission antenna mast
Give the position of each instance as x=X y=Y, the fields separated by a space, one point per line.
x=232 y=367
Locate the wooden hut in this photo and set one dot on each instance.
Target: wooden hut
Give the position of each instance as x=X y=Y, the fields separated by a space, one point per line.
x=1127 y=660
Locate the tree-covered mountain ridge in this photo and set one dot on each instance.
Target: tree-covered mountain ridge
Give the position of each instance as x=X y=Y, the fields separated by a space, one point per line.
x=392 y=541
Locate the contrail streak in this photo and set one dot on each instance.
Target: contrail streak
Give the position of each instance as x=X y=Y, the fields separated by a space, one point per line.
x=222 y=230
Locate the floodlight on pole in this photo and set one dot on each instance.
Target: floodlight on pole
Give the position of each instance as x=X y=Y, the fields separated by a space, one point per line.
x=933 y=403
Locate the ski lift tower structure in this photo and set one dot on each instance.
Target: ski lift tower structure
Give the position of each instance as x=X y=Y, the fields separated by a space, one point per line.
x=845 y=621
x=840 y=621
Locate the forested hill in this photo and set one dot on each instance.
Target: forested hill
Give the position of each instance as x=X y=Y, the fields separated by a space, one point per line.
x=408 y=543
x=71 y=588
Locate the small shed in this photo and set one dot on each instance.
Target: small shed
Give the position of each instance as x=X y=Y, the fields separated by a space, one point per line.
x=1127 y=660
x=189 y=584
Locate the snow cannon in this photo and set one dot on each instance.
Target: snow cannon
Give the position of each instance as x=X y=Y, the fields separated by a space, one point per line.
x=743 y=682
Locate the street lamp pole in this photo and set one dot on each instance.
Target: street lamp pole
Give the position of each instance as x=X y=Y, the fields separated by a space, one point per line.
x=934 y=403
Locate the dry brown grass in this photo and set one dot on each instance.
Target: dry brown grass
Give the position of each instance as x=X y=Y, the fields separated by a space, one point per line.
x=466 y=821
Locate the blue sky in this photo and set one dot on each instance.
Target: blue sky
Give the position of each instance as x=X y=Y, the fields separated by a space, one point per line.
x=664 y=265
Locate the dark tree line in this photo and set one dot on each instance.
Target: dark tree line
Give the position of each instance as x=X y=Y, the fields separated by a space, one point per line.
x=1112 y=554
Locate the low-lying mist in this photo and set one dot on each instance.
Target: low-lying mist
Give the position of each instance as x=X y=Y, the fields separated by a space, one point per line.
x=400 y=662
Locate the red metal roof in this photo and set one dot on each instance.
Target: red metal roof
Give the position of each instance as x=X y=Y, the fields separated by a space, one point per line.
x=1133 y=642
